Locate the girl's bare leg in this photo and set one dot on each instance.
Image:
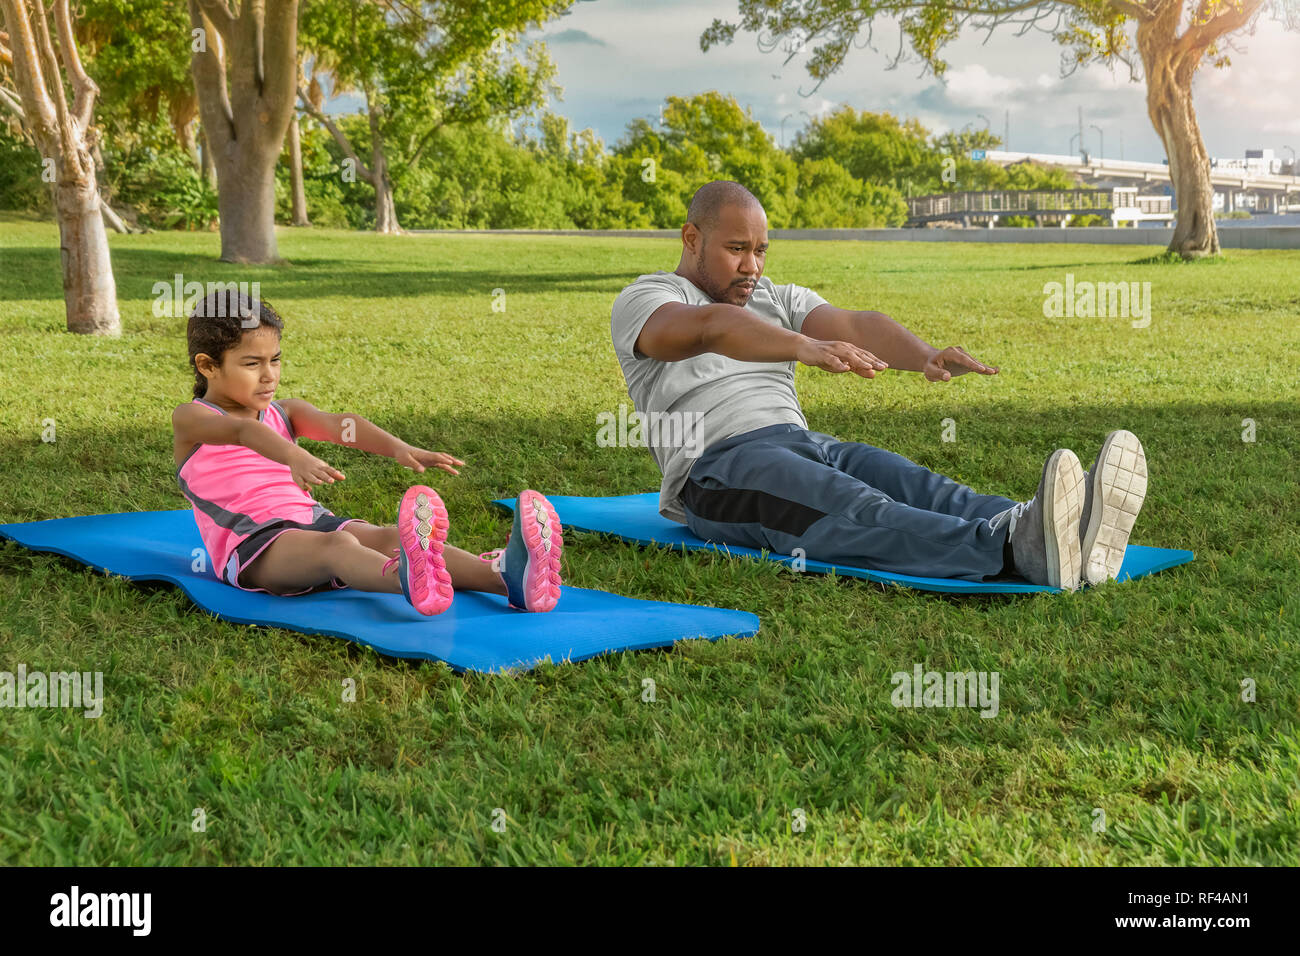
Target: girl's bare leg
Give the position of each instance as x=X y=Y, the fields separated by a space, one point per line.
x=467 y=572
x=300 y=559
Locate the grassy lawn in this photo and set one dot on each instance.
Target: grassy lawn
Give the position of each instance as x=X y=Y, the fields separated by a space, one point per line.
x=1126 y=699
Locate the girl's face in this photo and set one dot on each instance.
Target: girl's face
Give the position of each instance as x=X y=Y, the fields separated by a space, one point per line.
x=250 y=371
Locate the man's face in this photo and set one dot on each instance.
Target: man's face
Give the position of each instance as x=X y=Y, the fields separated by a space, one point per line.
x=730 y=259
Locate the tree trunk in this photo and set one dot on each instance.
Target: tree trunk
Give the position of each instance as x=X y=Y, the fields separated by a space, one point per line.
x=295 y=175
x=245 y=74
x=1169 y=71
x=206 y=166
x=112 y=219
x=64 y=134
x=246 y=205
x=89 y=292
x=385 y=210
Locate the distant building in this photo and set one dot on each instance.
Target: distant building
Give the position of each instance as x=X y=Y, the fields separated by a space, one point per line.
x=1258 y=162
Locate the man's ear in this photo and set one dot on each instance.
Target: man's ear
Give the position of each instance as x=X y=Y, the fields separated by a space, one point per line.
x=691 y=238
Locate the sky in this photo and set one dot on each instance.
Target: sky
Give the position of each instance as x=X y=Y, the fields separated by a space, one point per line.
x=620 y=59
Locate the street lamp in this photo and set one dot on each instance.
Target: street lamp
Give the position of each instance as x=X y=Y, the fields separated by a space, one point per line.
x=1288 y=192
x=1101 y=151
x=783 y=119
x=1070 y=148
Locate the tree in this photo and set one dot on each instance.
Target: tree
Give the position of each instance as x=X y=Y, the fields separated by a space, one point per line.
x=137 y=49
x=64 y=133
x=701 y=138
x=831 y=197
x=421 y=68
x=245 y=71
x=1173 y=38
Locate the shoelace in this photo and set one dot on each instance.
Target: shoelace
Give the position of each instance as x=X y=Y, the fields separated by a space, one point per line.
x=1010 y=516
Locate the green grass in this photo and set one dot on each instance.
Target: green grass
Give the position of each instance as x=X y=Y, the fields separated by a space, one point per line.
x=1125 y=698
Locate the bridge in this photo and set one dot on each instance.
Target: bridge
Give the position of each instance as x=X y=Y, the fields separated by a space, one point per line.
x=1120 y=206
x=1274 y=192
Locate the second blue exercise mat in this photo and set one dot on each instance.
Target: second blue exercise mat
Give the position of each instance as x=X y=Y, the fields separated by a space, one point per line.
x=636 y=518
x=479 y=632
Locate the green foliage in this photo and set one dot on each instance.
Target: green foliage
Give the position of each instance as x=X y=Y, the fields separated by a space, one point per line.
x=146 y=171
x=874 y=147
x=427 y=68
x=705 y=137
x=21 y=188
x=830 y=197
x=138 y=53
x=331 y=202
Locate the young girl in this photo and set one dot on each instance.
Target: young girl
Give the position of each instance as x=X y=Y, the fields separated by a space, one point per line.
x=239 y=464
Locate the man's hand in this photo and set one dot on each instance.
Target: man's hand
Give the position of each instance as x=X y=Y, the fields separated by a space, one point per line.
x=839 y=357
x=308 y=470
x=954 y=361
x=417 y=459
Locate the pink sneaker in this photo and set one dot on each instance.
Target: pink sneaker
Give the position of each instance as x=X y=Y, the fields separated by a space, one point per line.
x=529 y=564
x=421 y=529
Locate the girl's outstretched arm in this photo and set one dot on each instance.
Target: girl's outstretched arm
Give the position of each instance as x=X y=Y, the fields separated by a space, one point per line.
x=193 y=426
x=345 y=428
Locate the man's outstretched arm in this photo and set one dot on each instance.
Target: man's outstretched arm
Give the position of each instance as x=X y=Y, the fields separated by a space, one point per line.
x=677 y=331
x=898 y=346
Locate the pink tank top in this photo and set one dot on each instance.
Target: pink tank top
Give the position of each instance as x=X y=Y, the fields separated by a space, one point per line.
x=237 y=492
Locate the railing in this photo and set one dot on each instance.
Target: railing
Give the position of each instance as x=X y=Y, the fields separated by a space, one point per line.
x=1013 y=201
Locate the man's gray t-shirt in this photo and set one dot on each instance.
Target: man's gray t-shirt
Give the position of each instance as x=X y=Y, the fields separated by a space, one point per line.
x=700 y=401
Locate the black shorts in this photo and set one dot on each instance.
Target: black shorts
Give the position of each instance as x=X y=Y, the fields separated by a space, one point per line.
x=248 y=550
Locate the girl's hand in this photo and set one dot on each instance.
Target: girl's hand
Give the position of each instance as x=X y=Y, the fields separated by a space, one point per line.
x=308 y=470
x=417 y=459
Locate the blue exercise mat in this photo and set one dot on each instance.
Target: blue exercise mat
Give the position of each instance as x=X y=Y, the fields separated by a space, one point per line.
x=636 y=518
x=478 y=632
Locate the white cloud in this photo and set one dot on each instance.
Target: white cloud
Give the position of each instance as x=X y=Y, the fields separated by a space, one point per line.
x=973 y=85
x=653 y=51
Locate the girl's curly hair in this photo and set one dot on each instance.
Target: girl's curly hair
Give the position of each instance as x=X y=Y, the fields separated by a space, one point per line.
x=219 y=321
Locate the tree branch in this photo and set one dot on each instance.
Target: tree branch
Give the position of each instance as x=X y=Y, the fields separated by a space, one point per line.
x=67 y=141
x=29 y=78
x=10 y=100
x=84 y=89
x=219 y=16
x=1198 y=36
x=338 y=135
x=280 y=74
x=209 y=69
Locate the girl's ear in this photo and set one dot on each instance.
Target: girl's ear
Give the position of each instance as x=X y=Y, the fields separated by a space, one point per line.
x=207 y=368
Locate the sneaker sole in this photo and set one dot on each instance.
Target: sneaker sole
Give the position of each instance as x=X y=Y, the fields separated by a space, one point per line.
x=1119 y=488
x=1062 y=512
x=422 y=527
x=544 y=541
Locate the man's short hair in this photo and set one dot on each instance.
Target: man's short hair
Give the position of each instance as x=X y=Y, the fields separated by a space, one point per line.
x=711 y=198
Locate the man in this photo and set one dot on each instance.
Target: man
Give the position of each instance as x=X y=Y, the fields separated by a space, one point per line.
x=715 y=344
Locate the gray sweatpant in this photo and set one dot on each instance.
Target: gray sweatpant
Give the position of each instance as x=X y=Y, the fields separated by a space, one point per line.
x=783 y=487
